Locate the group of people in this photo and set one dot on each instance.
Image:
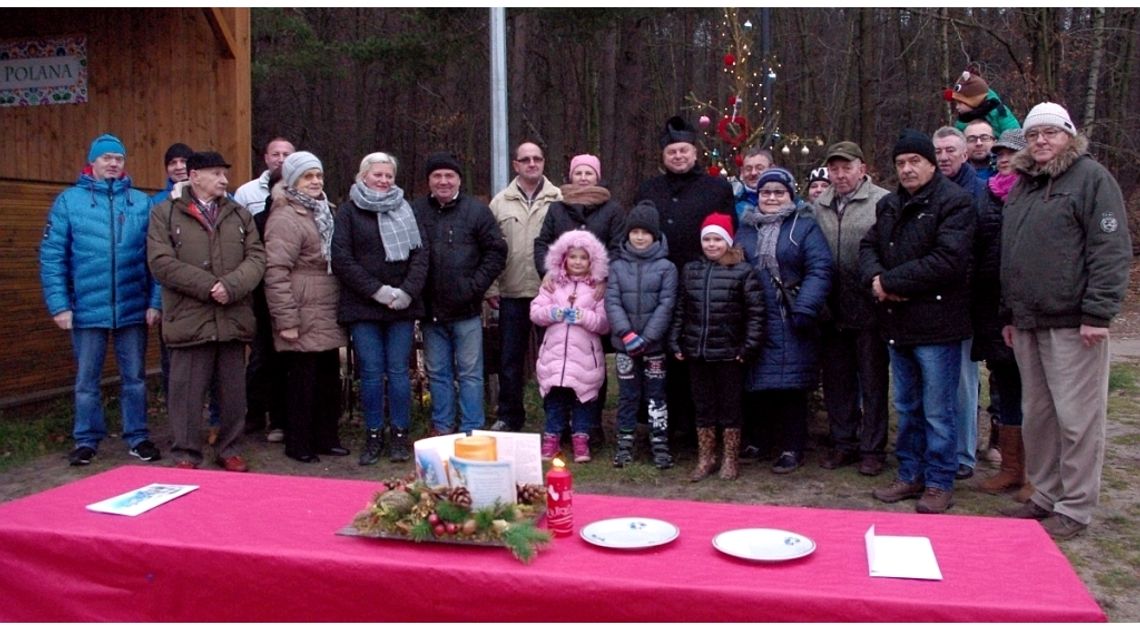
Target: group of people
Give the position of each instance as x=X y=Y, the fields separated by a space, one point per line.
x=724 y=304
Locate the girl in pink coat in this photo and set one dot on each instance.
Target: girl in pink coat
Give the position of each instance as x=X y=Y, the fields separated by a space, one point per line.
x=571 y=365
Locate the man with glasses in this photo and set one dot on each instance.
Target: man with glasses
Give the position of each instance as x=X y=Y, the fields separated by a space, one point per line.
x=520 y=210
x=854 y=357
x=1065 y=257
x=979 y=144
x=914 y=259
x=756 y=160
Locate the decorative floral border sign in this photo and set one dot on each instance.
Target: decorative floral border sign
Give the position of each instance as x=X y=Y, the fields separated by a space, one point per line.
x=48 y=71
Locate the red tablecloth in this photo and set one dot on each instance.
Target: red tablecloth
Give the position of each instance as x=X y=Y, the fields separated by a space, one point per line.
x=255 y=547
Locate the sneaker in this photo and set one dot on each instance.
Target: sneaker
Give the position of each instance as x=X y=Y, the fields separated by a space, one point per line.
x=146 y=451
x=964 y=472
x=750 y=454
x=581 y=443
x=838 y=458
x=871 y=465
x=500 y=426
x=624 y=453
x=275 y=436
x=373 y=444
x=935 y=501
x=898 y=491
x=80 y=456
x=233 y=463
x=1028 y=510
x=1062 y=527
x=787 y=462
x=550 y=446
x=399 y=451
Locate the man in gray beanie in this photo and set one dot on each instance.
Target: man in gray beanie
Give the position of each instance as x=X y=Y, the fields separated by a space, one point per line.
x=1065 y=256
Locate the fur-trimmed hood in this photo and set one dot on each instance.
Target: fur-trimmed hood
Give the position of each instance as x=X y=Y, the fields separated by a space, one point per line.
x=578 y=239
x=1024 y=163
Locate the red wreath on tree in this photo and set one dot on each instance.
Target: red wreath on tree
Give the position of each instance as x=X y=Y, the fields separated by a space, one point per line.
x=733 y=129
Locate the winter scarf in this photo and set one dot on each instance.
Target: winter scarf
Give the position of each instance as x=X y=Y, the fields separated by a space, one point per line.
x=1001 y=184
x=768 y=226
x=322 y=215
x=397 y=223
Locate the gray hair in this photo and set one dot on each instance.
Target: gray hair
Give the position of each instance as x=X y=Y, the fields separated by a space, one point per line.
x=372 y=159
x=767 y=154
x=949 y=131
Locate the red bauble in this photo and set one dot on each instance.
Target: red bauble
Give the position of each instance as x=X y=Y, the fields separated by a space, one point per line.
x=733 y=130
x=731 y=100
x=714 y=171
x=739 y=161
x=729 y=60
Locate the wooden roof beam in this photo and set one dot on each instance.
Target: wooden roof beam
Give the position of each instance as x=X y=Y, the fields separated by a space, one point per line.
x=222 y=31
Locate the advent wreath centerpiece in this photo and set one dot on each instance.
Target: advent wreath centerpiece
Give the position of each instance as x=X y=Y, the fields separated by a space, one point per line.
x=408 y=509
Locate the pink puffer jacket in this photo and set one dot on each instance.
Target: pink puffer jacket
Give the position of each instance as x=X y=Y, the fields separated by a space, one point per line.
x=571 y=354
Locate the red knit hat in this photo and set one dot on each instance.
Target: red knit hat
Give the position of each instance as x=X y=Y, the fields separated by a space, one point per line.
x=720 y=224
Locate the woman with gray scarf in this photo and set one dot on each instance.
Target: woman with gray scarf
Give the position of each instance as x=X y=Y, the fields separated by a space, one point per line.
x=791 y=256
x=380 y=255
x=302 y=295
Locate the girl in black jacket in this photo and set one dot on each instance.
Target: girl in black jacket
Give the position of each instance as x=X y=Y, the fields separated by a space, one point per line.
x=717 y=328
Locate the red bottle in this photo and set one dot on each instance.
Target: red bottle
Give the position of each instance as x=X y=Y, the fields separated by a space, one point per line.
x=559 y=499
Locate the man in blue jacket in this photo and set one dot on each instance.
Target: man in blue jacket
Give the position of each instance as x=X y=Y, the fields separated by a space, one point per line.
x=96 y=285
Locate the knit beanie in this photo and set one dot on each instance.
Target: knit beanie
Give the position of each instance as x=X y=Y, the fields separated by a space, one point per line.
x=644 y=216
x=911 y=141
x=587 y=160
x=720 y=224
x=442 y=161
x=104 y=144
x=778 y=175
x=298 y=164
x=818 y=174
x=1049 y=114
x=175 y=151
x=970 y=89
x=678 y=129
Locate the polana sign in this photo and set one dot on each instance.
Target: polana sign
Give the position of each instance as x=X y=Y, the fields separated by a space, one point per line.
x=49 y=71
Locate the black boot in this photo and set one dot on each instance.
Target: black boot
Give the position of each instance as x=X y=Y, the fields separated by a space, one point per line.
x=624 y=453
x=373 y=445
x=659 y=445
x=399 y=451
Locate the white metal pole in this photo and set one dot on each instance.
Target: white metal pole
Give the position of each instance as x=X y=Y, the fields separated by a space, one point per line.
x=499 y=150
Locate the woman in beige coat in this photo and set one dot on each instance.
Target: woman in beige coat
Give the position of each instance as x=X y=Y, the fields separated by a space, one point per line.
x=302 y=294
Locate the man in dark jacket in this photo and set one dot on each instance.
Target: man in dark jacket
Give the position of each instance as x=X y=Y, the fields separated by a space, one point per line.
x=96 y=287
x=204 y=249
x=914 y=260
x=684 y=196
x=1065 y=256
x=854 y=358
x=467 y=254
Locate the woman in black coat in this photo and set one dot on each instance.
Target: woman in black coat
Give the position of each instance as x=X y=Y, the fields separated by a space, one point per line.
x=380 y=255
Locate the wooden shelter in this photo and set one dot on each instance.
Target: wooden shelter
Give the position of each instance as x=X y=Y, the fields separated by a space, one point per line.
x=152 y=77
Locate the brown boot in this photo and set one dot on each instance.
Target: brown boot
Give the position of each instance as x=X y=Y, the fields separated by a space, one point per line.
x=1012 y=471
x=728 y=469
x=1025 y=493
x=706 y=454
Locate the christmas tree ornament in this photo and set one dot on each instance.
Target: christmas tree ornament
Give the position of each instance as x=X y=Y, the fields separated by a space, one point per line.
x=714 y=170
x=729 y=60
x=748 y=24
x=704 y=122
x=738 y=160
x=804 y=151
x=785 y=150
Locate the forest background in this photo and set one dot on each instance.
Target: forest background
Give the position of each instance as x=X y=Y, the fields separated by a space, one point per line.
x=345 y=82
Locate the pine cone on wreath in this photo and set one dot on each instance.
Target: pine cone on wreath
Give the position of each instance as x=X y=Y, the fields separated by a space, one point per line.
x=460 y=496
x=531 y=493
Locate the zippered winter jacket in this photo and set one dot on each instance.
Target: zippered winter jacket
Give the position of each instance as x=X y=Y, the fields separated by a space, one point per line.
x=720 y=310
x=640 y=295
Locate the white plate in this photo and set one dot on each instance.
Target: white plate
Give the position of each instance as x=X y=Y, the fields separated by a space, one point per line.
x=629 y=533
x=767 y=544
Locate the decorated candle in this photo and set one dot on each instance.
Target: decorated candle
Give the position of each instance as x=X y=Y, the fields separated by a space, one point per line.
x=559 y=499
x=476 y=448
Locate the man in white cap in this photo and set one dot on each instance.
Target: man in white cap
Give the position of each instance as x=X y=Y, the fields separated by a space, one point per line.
x=1065 y=256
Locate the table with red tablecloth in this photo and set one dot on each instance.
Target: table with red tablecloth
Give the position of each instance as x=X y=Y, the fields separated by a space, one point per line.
x=258 y=547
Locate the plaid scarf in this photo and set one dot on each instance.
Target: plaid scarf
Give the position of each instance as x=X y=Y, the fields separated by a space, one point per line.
x=323 y=217
x=768 y=228
x=398 y=230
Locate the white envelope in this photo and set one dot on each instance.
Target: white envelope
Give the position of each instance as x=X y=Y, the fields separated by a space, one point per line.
x=901 y=557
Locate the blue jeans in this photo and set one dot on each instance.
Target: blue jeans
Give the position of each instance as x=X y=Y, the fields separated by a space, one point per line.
x=641 y=378
x=384 y=348
x=90 y=347
x=515 y=327
x=454 y=350
x=967 y=408
x=926 y=398
x=562 y=407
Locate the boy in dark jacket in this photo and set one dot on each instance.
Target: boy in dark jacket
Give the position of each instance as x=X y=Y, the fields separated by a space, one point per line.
x=640 y=295
x=717 y=328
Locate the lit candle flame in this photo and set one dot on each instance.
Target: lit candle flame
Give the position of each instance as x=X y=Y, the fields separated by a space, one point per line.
x=558 y=464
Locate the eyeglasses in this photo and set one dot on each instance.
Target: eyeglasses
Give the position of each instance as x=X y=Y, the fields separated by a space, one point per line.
x=531 y=160
x=773 y=193
x=974 y=139
x=1048 y=133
